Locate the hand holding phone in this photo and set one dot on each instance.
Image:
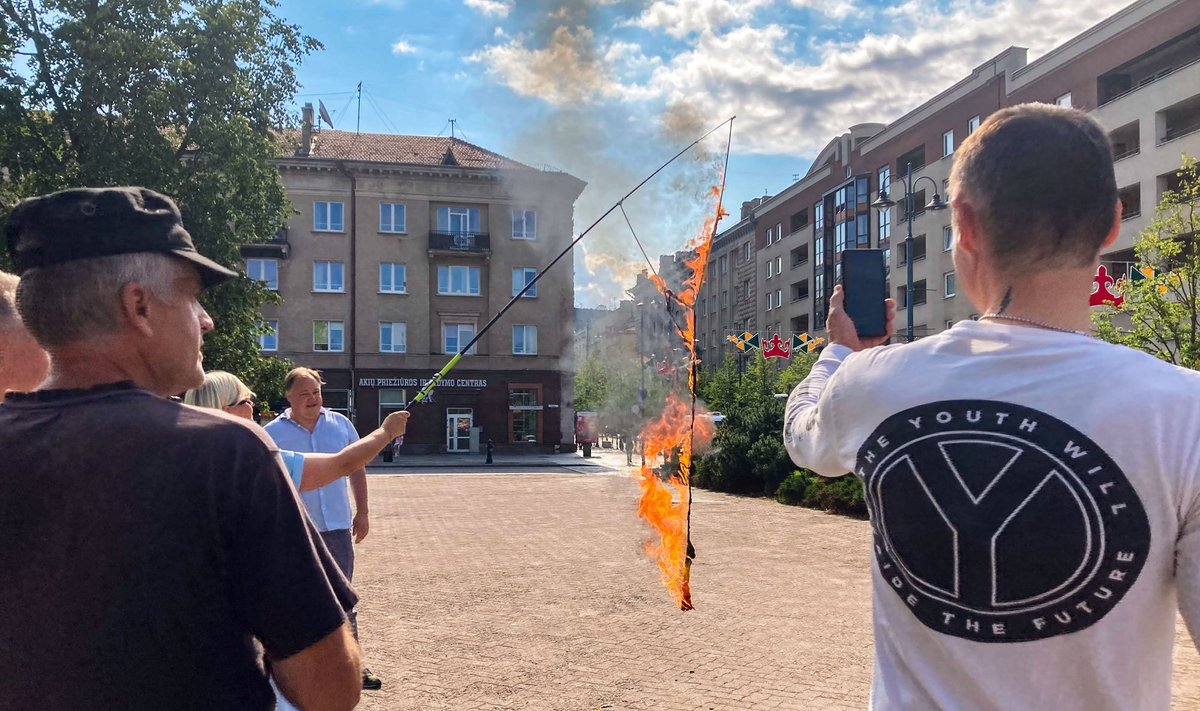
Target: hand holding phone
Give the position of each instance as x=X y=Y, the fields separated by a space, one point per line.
x=861 y=315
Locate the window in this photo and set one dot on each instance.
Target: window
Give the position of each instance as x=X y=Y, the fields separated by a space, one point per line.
x=724 y=299
x=884 y=176
x=947 y=238
x=800 y=290
x=799 y=255
x=800 y=220
x=770 y=301
x=918 y=294
x=393 y=337
x=391 y=217
x=863 y=227
x=329 y=276
x=724 y=264
x=778 y=298
x=391 y=400
x=779 y=265
x=1064 y=100
x=392 y=278
x=522 y=276
x=525 y=413
x=972 y=125
x=947 y=143
x=327 y=216
x=457 y=335
x=778 y=231
x=770 y=268
x=327 y=336
x=458 y=280
x=950 y=284
x=524 y=223
x=269 y=341
x=819 y=252
x=524 y=340
x=916 y=157
x=458 y=220
x=885 y=226
x=770 y=237
x=264 y=270
x=918 y=250
x=818 y=217
x=746 y=252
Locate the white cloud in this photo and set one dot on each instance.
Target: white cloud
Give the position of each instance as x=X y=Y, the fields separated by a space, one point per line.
x=786 y=104
x=680 y=18
x=491 y=8
x=403 y=47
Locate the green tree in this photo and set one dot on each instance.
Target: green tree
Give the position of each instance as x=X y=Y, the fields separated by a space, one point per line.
x=719 y=389
x=1161 y=314
x=592 y=383
x=183 y=97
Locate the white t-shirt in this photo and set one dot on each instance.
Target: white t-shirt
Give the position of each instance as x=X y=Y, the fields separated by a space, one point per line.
x=1035 y=504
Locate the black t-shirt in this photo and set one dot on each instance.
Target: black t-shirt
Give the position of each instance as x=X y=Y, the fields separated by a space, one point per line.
x=144 y=547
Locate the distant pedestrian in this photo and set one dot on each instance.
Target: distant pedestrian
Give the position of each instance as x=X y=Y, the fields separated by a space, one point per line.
x=1034 y=492
x=307 y=426
x=150 y=546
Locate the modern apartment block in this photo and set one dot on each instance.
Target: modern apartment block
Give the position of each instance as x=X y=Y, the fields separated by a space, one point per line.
x=399 y=250
x=1137 y=73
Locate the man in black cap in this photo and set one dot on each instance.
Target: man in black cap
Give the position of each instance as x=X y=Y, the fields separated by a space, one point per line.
x=148 y=544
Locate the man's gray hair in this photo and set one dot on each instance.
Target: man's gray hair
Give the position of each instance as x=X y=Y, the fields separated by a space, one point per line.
x=78 y=300
x=8 y=301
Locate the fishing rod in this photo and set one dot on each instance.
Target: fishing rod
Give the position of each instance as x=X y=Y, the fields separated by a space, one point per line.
x=437 y=377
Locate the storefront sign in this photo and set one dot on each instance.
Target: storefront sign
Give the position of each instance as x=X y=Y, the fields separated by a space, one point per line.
x=420 y=383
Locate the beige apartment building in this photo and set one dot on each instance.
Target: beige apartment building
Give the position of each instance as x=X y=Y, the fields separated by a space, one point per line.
x=399 y=250
x=1137 y=73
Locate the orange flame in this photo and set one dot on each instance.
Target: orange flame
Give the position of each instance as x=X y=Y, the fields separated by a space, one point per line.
x=665 y=503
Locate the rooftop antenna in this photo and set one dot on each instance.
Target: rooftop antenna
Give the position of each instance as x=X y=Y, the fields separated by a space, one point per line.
x=358 y=123
x=452 y=122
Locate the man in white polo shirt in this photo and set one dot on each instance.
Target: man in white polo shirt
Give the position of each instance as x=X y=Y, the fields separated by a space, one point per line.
x=307 y=426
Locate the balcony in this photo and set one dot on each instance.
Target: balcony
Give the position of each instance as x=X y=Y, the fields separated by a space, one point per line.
x=1149 y=68
x=1179 y=120
x=275 y=248
x=459 y=242
x=1126 y=141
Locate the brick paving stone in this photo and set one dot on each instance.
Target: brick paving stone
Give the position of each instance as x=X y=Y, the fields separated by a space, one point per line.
x=532 y=592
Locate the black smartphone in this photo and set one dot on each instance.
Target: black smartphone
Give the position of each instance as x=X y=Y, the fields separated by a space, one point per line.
x=864 y=279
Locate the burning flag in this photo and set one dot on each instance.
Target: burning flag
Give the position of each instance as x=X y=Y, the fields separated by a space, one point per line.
x=666 y=492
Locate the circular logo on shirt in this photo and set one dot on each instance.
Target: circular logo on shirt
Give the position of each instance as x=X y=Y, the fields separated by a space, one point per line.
x=998 y=523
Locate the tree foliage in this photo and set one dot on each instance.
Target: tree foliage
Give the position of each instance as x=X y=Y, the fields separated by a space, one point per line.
x=1161 y=315
x=182 y=97
x=748 y=455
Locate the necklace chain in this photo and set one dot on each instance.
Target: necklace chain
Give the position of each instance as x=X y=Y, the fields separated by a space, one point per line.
x=1032 y=322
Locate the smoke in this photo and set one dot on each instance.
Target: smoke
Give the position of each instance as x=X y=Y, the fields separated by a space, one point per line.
x=584 y=130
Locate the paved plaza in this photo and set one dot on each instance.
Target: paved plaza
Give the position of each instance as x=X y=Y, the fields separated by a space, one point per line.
x=530 y=591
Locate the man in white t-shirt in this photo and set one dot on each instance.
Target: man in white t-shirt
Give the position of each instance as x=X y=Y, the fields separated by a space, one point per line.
x=1034 y=492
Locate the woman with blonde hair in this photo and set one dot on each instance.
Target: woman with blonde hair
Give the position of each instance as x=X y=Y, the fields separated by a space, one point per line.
x=225 y=391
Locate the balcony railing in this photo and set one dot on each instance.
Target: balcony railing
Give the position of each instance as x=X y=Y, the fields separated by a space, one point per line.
x=460 y=242
x=1147 y=81
x=275 y=248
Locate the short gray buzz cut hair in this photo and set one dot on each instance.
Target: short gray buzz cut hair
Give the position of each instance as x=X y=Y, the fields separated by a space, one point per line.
x=78 y=300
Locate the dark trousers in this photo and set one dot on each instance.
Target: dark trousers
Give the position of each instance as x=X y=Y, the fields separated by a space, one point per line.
x=341 y=546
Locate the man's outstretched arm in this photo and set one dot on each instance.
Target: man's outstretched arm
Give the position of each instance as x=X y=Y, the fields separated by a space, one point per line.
x=810 y=432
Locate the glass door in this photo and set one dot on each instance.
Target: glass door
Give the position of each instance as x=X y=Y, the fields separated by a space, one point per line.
x=458 y=429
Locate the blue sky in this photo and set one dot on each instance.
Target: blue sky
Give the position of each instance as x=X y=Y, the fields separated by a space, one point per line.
x=608 y=89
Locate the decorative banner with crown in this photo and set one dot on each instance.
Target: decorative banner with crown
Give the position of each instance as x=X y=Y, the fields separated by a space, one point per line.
x=775 y=346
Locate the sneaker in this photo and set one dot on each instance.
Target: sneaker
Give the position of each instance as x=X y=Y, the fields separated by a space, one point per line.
x=370 y=681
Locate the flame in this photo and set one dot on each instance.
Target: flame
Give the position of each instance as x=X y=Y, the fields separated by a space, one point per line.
x=666 y=504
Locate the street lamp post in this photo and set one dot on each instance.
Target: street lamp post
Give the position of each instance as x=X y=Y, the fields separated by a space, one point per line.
x=883 y=202
x=642 y=374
